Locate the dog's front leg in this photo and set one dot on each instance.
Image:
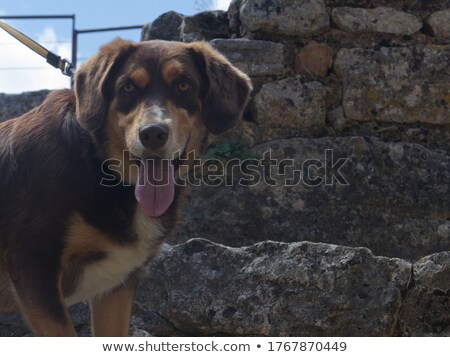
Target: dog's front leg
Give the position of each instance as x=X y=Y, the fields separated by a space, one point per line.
x=39 y=296
x=111 y=311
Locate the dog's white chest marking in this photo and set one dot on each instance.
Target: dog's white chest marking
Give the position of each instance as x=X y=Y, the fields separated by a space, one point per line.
x=108 y=273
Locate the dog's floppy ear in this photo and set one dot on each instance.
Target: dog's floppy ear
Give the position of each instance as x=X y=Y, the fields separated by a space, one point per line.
x=227 y=89
x=91 y=81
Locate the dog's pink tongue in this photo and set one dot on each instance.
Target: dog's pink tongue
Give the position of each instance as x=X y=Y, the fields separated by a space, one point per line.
x=155 y=188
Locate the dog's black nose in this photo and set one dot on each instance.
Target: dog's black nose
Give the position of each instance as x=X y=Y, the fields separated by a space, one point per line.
x=154 y=136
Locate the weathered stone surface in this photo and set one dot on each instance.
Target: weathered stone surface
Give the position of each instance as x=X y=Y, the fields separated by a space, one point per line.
x=403 y=85
x=417 y=7
x=314 y=59
x=433 y=137
x=439 y=23
x=256 y=58
x=396 y=201
x=426 y=308
x=287 y=17
x=273 y=289
x=290 y=104
x=248 y=133
x=165 y=27
x=233 y=17
x=205 y=26
x=280 y=289
x=13 y=105
x=380 y=19
x=336 y=118
x=12 y=325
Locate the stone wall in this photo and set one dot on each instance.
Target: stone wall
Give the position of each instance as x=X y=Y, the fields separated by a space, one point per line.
x=369 y=80
x=366 y=80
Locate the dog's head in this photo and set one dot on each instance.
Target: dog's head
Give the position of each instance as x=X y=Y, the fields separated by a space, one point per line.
x=156 y=99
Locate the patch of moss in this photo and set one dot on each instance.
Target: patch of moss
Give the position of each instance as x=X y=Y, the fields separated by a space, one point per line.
x=231 y=149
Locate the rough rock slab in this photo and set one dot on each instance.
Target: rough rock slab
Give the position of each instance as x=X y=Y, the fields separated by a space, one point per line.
x=396 y=202
x=287 y=17
x=13 y=105
x=12 y=325
x=233 y=17
x=417 y=7
x=165 y=27
x=439 y=23
x=380 y=19
x=254 y=57
x=402 y=85
x=205 y=26
x=273 y=289
x=291 y=105
x=426 y=308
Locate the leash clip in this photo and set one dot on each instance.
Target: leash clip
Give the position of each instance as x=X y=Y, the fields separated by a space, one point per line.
x=64 y=65
x=68 y=69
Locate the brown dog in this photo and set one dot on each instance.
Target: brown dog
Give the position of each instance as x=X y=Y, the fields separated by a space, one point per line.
x=73 y=228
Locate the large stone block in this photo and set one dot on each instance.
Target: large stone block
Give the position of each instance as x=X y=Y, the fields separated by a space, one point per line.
x=13 y=105
x=438 y=24
x=172 y=26
x=256 y=58
x=402 y=85
x=166 y=27
x=416 y=7
x=287 y=17
x=291 y=105
x=271 y=289
x=380 y=19
x=395 y=202
x=205 y=26
x=426 y=307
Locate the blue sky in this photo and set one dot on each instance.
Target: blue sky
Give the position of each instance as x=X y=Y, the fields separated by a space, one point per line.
x=56 y=34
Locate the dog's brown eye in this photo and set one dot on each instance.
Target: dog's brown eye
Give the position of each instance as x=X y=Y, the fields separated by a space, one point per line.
x=184 y=87
x=129 y=88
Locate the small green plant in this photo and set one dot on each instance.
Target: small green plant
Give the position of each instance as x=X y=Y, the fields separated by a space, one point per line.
x=236 y=149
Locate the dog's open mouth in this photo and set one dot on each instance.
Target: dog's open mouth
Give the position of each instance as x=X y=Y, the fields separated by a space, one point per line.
x=155 y=188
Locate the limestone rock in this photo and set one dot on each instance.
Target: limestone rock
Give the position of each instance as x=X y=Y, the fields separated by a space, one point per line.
x=273 y=289
x=416 y=7
x=287 y=17
x=165 y=27
x=13 y=105
x=402 y=85
x=314 y=59
x=205 y=26
x=248 y=133
x=439 y=23
x=426 y=308
x=396 y=201
x=12 y=325
x=233 y=17
x=380 y=19
x=336 y=118
x=256 y=58
x=291 y=104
